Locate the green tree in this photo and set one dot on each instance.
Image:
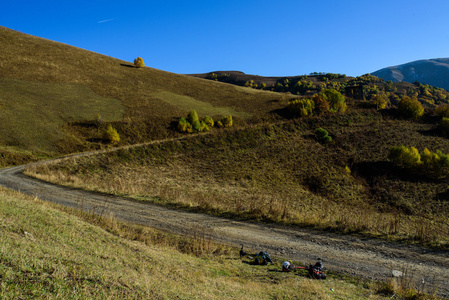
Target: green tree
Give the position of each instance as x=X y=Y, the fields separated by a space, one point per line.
x=182 y=124
x=404 y=156
x=196 y=125
x=192 y=117
x=337 y=102
x=321 y=104
x=322 y=135
x=209 y=121
x=410 y=108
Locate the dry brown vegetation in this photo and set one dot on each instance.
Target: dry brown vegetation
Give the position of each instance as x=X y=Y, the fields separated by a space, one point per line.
x=281 y=173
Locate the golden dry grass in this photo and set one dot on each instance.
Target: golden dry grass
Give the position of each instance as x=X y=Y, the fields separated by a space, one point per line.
x=275 y=173
x=52 y=252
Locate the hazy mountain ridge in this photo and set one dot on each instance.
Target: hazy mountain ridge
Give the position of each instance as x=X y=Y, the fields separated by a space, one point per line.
x=428 y=71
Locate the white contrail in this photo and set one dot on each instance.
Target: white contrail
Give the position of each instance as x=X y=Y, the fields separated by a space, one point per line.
x=106 y=20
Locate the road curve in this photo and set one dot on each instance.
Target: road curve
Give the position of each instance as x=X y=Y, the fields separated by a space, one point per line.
x=366 y=257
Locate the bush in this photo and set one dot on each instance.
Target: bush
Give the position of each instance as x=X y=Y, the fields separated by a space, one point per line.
x=410 y=108
x=182 y=124
x=226 y=121
x=442 y=110
x=192 y=117
x=193 y=123
x=196 y=125
x=203 y=127
x=138 y=62
x=111 y=135
x=321 y=104
x=435 y=164
x=301 y=107
x=337 y=102
x=322 y=135
x=209 y=121
x=404 y=156
x=432 y=164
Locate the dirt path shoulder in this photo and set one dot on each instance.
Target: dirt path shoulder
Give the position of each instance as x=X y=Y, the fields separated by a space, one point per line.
x=370 y=258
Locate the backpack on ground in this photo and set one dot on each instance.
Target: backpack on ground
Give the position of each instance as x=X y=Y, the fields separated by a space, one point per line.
x=263 y=258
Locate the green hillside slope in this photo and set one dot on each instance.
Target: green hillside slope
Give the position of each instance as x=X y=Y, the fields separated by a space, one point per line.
x=48 y=90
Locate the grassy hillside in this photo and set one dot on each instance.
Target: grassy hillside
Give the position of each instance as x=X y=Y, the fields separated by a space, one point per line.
x=46 y=252
x=282 y=173
x=49 y=93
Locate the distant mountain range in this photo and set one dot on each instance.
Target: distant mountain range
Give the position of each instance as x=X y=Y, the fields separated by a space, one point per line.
x=427 y=71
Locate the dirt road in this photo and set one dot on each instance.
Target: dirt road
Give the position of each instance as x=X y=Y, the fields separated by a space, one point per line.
x=370 y=258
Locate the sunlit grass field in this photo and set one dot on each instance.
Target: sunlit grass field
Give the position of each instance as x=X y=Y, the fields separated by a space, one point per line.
x=55 y=253
x=49 y=91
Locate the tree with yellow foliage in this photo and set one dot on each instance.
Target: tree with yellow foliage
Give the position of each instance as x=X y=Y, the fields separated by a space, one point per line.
x=138 y=62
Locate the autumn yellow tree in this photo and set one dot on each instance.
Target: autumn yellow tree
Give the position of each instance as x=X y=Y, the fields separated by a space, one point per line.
x=138 y=62
x=111 y=135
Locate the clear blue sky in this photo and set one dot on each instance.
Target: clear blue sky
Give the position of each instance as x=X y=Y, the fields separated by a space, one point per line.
x=277 y=38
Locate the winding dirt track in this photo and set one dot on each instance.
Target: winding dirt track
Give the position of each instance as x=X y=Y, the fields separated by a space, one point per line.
x=370 y=258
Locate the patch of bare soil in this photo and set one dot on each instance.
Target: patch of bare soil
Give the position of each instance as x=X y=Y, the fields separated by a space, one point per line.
x=369 y=258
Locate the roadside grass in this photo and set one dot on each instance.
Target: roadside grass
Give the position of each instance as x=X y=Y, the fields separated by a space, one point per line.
x=10 y=156
x=53 y=252
x=280 y=173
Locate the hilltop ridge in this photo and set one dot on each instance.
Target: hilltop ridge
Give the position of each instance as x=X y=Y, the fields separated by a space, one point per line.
x=428 y=71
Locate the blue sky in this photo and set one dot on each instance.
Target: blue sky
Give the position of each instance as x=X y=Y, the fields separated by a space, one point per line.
x=269 y=38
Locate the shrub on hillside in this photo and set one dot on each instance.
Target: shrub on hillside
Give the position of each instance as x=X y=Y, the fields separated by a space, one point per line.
x=209 y=121
x=321 y=104
x=432 y=164
x=203 y=127
x=442 y=110
x=337 y=102
x=98 y=120
x=138 y=62
x=301 y=107
x=111 y=135
x=404 y=156
x=192 y=123
x=226 y=121
x=192 y=116
x=196 y=125
x=322 y=135
x=182 y=124
x=444 y=126
x=410 y=108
